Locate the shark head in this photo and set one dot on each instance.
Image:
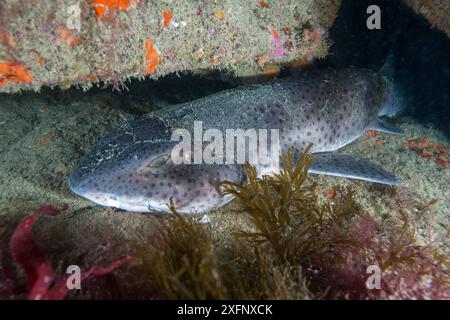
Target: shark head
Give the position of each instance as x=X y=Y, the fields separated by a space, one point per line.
x=136 y=172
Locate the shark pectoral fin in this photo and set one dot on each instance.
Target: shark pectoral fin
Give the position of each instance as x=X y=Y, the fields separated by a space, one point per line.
x=385 y=126
x=341 y=165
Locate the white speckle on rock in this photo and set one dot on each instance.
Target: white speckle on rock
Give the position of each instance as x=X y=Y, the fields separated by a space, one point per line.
x=178 y=24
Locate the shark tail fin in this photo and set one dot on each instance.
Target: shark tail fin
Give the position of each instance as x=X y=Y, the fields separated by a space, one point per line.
x=395 y=103
x=388 y=68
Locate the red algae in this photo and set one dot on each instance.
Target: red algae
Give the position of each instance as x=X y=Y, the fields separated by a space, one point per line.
x=14 y=72
x=42 y=283
x=167 y=17
x=263 y=4
x=432 y=151
x=151 y=57
x=102 y=7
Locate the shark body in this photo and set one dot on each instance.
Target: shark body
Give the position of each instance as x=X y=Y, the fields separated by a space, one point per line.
x=131 y=167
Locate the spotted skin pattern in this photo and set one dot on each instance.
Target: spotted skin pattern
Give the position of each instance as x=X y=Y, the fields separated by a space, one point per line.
x=130 y=168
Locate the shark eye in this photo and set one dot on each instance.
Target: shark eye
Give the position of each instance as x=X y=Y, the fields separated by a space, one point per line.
x=159 y=161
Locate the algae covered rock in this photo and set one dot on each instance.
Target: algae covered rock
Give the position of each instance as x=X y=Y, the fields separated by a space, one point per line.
x=437 y=12
x=62 y=43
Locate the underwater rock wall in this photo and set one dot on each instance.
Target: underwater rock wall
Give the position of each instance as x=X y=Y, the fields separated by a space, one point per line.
x=63 y=43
